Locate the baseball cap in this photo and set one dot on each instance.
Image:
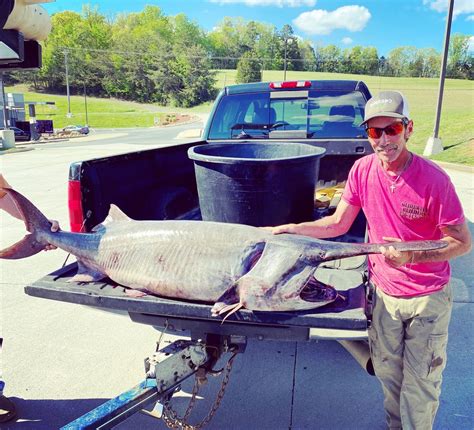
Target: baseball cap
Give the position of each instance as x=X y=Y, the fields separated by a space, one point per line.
x=386 y=103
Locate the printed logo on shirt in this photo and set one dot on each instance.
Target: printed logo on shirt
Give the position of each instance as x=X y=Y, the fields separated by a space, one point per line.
x=411 y=211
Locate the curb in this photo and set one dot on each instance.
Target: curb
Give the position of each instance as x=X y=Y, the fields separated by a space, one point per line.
x=14 y=150
x=452 y=166
x=40 y=142
x=192 y=120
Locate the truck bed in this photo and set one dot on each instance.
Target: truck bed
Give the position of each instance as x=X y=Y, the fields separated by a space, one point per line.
x=346 y=313
x=163 y=180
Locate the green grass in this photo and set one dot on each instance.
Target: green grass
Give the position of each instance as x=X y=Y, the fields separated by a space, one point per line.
x=456 y=126
x=101 y=113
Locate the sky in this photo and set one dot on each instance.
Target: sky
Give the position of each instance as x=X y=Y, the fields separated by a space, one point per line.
x=383 y=24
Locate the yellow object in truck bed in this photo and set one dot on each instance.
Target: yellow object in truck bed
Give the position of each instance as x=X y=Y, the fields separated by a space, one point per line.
x=328 y=197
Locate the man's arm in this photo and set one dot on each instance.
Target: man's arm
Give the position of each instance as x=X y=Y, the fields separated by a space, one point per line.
x=331 y=226
x=459 y=243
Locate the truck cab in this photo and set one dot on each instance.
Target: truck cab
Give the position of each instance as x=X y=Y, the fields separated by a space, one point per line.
x=289 y=110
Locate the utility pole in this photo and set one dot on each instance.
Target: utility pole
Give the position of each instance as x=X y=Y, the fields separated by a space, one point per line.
x=85 y=104
x=434 y=144
x=69 y=114
x=4 y=101
x=287 y=41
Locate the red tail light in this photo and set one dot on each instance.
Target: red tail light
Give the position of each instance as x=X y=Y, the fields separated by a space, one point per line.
x=76 y=218
x=290 y=84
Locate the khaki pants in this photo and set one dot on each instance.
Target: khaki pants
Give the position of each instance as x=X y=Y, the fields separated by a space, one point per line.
x=408 y=340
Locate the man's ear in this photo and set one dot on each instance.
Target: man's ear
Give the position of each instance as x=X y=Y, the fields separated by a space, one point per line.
x=408 y=129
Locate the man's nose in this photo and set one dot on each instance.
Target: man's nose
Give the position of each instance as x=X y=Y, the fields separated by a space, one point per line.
x=383 y=140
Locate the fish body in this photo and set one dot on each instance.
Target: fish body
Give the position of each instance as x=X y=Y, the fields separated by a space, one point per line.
x=231 y=265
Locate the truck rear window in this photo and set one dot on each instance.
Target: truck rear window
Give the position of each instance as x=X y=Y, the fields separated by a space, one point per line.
x=321 y=114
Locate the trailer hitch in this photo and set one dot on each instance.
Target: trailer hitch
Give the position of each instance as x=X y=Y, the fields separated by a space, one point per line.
x=173 y=364
x=216 y=345
x=166 y=370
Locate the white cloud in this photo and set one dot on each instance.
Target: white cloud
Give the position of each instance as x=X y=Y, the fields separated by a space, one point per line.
x=460 y=6
x=470 y=18
x=346 y=40
x=318 y=21
x=277 y=3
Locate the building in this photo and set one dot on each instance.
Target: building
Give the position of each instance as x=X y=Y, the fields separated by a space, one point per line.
x=15 y=107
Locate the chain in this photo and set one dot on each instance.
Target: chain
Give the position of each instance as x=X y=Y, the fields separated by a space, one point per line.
x=171 y=418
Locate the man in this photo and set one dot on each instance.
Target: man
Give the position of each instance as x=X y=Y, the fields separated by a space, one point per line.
x=404 y=197
x=7 y=408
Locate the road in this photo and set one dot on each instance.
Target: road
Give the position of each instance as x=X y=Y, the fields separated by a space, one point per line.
x=61 y=360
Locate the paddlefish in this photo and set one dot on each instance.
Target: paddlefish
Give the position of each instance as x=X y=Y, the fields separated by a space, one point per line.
x=231 y=265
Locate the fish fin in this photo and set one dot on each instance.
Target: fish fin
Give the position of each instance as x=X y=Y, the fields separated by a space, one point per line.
x=230 y=297
x=115 y=215
x=35 y=223
x=232 y=308
x=24 y=248
x=135 y=293
x=85 y=274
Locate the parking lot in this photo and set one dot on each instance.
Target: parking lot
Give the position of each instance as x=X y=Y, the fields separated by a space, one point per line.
x=61 y=360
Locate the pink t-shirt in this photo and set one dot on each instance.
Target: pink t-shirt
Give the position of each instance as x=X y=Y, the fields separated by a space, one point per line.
x=423 y=201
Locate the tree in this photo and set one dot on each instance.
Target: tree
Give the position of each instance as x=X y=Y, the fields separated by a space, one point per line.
x=150 y=57
x=289 y=49
x=460 y=60
x=431 y=62
x=187 y=33
x=370 y=60
x=191 y=69
x=398 y=61
x=225 y=42
x=248 y=68
x=328 y=58
x=307 y=55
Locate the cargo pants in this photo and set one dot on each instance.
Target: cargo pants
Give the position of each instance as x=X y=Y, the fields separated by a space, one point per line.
x=408 y=340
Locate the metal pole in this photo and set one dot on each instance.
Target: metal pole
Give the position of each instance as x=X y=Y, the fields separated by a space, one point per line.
x=284 y=64
x=4 y=106
x=443 y=68
x=434 y=144
x=85 y=103
x=67 y=85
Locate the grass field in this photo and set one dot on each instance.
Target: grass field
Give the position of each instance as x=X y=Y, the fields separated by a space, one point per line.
x=101 y=113
x=456 y=126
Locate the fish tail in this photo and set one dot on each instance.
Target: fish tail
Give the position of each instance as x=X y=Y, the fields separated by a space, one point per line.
x=35 y=222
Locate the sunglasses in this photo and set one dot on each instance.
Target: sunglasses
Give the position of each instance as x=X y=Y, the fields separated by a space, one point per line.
x=391 y=130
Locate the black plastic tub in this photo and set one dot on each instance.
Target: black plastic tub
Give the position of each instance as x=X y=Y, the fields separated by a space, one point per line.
x=259 y=184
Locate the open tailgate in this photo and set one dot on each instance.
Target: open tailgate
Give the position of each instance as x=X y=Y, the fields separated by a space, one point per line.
x=347 y=313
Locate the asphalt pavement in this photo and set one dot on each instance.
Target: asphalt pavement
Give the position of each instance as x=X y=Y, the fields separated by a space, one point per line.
x=61 y=360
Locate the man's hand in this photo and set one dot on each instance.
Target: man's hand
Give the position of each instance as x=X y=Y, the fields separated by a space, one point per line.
x=279 y=229
x=54 y=228
x=393 y=257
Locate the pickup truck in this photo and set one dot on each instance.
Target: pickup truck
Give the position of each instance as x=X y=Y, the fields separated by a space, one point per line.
x=160 y=184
